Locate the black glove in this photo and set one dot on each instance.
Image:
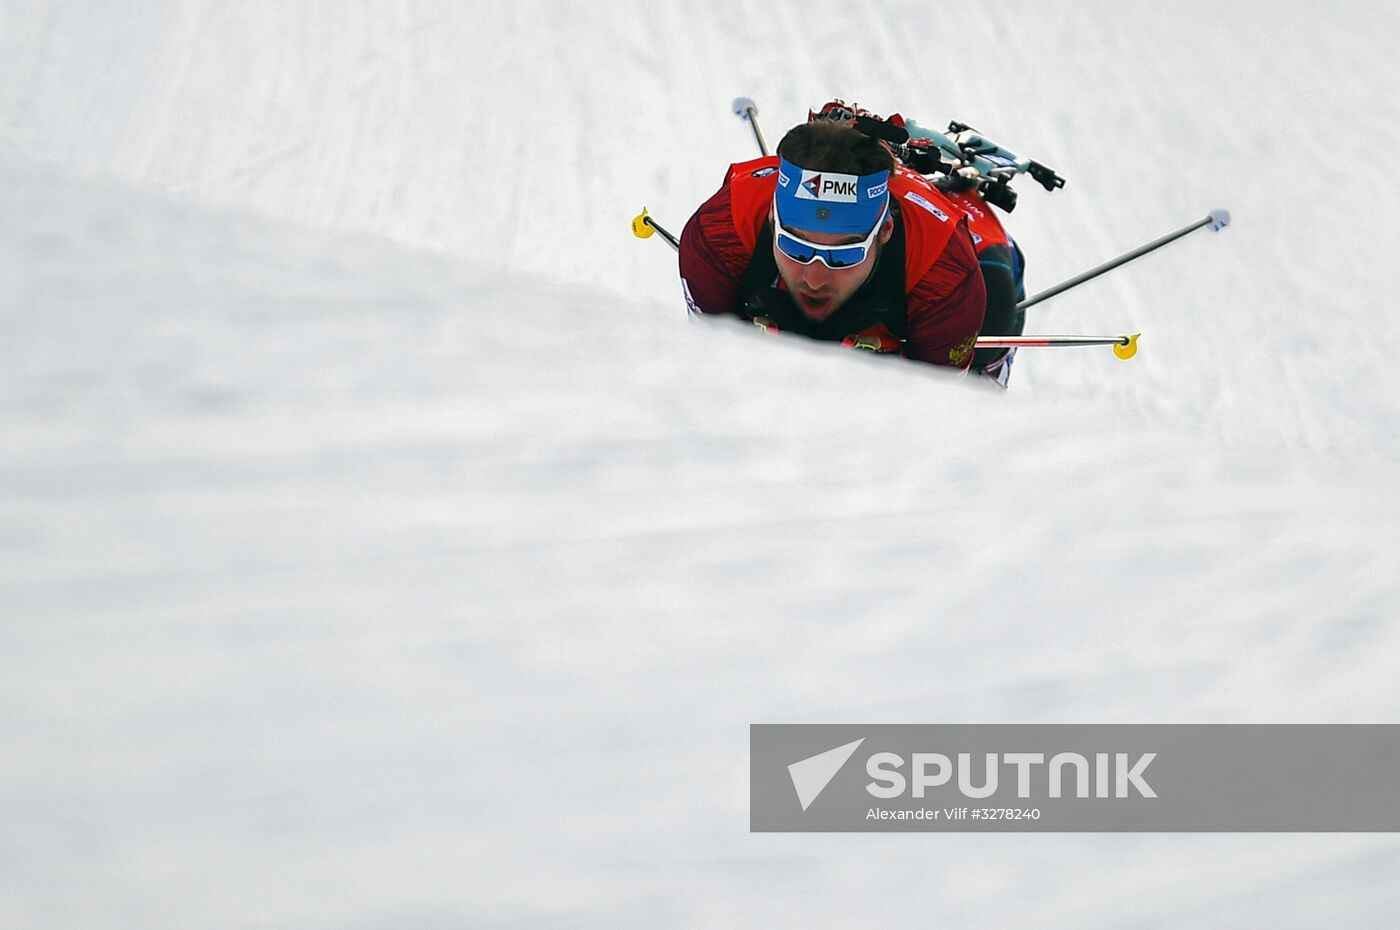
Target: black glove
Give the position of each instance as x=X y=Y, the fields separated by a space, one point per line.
x=777 y=307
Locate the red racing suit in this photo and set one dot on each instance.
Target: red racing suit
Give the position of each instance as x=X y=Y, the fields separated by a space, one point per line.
x=925 y=299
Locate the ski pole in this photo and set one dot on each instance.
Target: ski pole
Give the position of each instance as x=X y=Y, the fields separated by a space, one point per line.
x=747 y=110
x=1218 y=219
x=643 y=226
x=1124 y=346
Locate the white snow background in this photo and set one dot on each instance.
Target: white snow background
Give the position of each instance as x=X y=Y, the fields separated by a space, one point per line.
x=380 y=545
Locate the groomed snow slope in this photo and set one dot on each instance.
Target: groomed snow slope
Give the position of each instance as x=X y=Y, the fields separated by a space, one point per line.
x=380 y=546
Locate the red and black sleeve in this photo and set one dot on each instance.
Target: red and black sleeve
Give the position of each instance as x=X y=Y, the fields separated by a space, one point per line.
x=713 y=259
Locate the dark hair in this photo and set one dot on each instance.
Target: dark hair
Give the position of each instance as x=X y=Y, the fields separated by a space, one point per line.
x=830 y=146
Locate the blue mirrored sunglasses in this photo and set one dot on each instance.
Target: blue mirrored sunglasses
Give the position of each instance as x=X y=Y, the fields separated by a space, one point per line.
x=835 y=257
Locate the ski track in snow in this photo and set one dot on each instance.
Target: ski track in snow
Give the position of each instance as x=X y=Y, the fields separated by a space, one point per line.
x=380 y=545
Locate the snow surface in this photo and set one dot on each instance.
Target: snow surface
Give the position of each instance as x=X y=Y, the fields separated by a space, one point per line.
x=380 y=546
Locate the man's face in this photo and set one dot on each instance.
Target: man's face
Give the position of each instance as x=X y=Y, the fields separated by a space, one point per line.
x=818 y=290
